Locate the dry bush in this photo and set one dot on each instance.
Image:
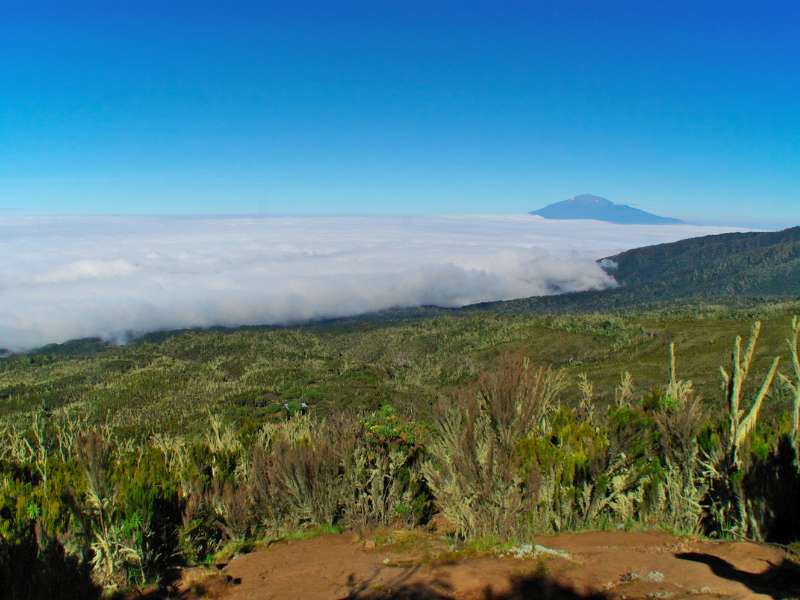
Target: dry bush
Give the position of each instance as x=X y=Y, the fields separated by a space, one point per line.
x=474 y=469
x=624 y=390
x=225 y=448
x=299 y=482
x=586 y=402
x=96 y=453
x=682 y=487
x=175 y=451
x=267 y=489
x=235 y=508
x=517 y=399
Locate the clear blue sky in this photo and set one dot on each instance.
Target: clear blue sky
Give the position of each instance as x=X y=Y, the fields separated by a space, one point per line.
x=686 y=108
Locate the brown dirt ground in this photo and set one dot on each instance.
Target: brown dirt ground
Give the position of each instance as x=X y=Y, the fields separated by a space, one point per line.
x=613 y=565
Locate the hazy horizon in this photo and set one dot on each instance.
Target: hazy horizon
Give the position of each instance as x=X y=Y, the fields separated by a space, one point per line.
x=750 y=224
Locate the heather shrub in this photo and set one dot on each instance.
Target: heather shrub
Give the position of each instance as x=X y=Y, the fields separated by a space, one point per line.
x=149 y=495
x=682 y=486
x=297 y=472
x=584 y=481
x=475 y=468
x=383 y=479
x=771 y=485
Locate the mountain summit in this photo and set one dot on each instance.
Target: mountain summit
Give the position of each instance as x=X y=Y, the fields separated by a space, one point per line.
x=587 y=206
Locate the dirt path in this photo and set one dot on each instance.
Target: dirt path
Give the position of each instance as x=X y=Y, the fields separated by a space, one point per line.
x=599 y=565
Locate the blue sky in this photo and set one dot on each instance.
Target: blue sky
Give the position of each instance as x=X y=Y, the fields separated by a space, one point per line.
x=682 y=108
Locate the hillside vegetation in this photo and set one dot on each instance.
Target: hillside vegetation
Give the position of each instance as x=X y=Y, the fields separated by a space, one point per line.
x=120 y=464
x=167 y=382
x=730 y=269
x=729 y=265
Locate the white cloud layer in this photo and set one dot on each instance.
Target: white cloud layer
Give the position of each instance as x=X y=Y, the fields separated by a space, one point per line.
x=64 y=278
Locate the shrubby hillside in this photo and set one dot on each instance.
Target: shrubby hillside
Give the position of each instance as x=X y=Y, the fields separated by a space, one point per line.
x=168 y=381
x=731 y=269
x=728 y=265
x=120 y=464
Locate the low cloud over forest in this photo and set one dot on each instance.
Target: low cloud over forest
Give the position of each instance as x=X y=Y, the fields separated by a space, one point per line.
x=64 y=278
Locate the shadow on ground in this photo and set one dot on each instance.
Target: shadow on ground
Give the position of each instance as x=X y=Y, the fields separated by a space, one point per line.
x=214 y=586
x=780 y=581
x=28 y=573
x=538 y=586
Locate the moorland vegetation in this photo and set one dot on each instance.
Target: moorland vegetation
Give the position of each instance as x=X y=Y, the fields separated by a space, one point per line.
x=121 y=464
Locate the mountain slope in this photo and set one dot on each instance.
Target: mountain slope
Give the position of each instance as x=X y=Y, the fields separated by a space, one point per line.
x=731 y=269
x=587 y=206
x=752 y=264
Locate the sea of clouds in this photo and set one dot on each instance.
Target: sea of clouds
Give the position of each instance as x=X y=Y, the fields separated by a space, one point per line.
x=63 y=278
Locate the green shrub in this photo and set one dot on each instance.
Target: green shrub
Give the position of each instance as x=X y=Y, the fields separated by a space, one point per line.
x=383 y=479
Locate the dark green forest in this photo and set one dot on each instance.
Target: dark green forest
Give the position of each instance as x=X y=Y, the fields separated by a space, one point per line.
x=730 y=269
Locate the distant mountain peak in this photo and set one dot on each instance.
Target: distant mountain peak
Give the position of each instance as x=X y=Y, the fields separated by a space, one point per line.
x=589 y=206
x=589 y=200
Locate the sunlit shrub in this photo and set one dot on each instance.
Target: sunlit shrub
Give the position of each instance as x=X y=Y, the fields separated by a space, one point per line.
x=475 y=470
x=383 y=479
